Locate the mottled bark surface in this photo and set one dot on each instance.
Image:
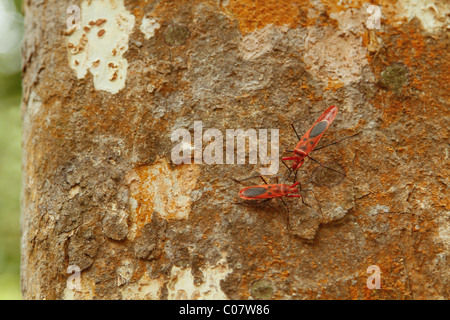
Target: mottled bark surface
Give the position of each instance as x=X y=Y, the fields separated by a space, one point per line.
x=100 y=191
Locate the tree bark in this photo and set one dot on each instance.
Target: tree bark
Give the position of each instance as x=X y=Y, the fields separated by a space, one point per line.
x=107 y=214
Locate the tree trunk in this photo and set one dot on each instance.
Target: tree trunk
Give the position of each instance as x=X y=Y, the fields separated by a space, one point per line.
x=108 y=213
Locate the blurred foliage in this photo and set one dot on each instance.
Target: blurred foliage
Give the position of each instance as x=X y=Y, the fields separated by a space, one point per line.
x=10 y=85
x=10 y=184
x=10 y=181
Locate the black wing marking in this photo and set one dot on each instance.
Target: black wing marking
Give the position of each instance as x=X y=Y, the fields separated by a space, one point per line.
x=253 y=192
x=318 y=129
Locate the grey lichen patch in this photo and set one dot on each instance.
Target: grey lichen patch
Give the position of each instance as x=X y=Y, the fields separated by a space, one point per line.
x=305 y=228
x=368 y=89
x=324 y=176
x=124 y=272
x=176 y=35
x=146 y=245
x=82 y=249
x=394 y=77
x=115 y=224
x=262 y=289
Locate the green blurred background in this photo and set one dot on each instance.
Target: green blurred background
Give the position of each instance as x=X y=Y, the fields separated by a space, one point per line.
x=11 y=31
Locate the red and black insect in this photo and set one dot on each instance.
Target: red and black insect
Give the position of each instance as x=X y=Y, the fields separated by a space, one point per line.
x=266 y=192
x=269 y=191
x=311 y=138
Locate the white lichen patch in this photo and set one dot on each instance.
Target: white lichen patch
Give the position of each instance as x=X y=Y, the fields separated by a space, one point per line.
x=352 y=20
x=181 y=284
x=34 y=104
x=98 y=46
x=258 y=43
x=124 y=273
x=336 y=213
x=334 y=55
x=378 y=209
x=84 y=289
x=146 y=288
x=74 y=191
x=162 y=190
x=444 y=230
x=432 y=13
x=148 y=27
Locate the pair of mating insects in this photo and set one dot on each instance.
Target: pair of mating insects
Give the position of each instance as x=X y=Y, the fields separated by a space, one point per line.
x=306 y=144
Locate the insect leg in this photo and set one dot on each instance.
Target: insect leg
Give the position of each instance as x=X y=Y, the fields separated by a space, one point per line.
x=325 y=166
x=337 y=141
x=295 y=178
x=302 y=170
x=288 y=223
x=315 y=196
x=239 y=181
x=298 y=196
x=289 y=171
x=250 y=202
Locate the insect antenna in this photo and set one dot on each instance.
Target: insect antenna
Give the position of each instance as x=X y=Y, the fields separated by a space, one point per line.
x=292 y=125
x=263 y=179
x=288 y=223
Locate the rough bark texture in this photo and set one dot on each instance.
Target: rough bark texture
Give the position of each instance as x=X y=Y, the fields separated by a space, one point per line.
x=100 y=191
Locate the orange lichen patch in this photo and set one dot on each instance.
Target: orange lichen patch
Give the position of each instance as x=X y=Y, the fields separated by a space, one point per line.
x=138 y=13
x=334 y=85
x=253 y=15
x=401 y=260
x=167 y=10
x=266 y=257
x=426 y=64
x=371 y=41
x=162 y=190
x=334 y=6
x=95 y=116
x=419 y=107
x=309 y=91
x=434 y=194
